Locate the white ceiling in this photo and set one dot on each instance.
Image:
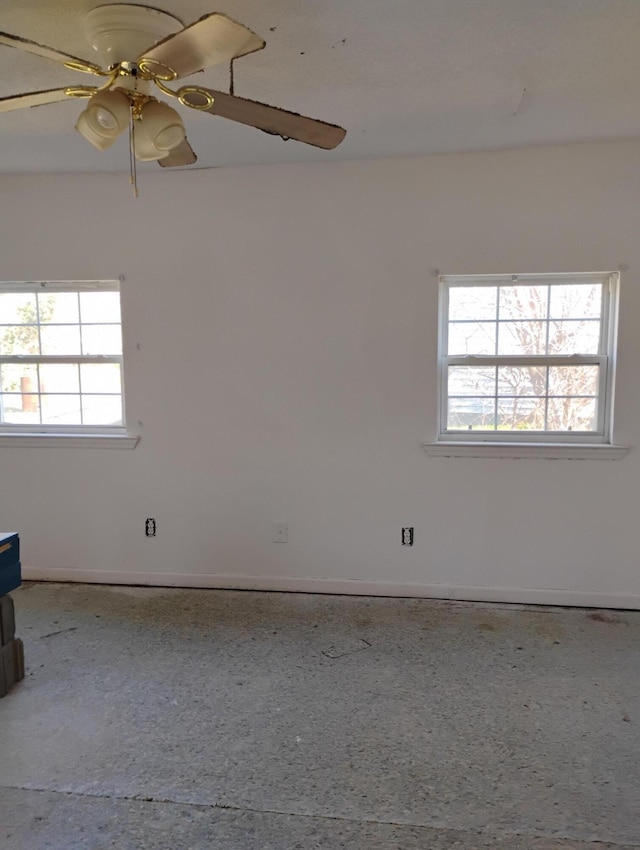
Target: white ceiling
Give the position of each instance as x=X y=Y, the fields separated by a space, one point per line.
x=403 y=77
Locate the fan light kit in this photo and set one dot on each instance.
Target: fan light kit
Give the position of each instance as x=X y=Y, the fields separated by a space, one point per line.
x=141 y=47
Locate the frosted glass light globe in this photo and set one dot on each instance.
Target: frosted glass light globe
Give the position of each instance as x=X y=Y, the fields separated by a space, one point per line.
x=106 y=119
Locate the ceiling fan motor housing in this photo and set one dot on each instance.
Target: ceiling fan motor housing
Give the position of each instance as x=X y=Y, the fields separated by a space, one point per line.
x=122 y=32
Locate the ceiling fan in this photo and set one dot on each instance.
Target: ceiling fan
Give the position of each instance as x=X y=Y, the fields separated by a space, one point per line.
x=141 y=47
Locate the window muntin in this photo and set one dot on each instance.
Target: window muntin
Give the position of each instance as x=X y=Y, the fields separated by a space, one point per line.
x=527 y=358
x=61 y=357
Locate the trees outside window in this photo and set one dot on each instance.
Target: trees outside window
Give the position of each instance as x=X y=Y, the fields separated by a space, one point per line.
x=60 y=356
x=527 y=357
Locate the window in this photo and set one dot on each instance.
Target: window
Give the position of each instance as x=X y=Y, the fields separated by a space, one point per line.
x=61 y=358
x=527 y=358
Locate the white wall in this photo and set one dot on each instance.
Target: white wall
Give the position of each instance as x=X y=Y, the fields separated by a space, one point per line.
x=286 y=317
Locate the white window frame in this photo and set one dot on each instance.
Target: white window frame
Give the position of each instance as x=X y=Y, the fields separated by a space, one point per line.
x=72 y=435
x=538 y=442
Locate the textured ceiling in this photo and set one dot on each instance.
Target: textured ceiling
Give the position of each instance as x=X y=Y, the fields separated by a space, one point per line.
x=405 y=77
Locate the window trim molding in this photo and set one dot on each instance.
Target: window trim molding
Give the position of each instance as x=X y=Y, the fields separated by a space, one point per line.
x=49 y=439
x=545 y=451
x=552 y=445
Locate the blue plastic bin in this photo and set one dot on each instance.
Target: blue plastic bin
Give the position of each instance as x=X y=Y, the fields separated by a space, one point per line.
x=10 y=571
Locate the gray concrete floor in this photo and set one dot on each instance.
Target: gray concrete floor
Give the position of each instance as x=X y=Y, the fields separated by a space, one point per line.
x=223 y=720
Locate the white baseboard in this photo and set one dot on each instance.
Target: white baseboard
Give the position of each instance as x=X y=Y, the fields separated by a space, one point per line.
x=354 y=587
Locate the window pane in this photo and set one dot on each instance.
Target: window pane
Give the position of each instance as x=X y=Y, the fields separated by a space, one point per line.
x=100 y=378
x=522 y=380
x=59 y=378
x=521 y=414
x=574 y=337
x=523 y=302
x=472 y=302
x=576 y=301
x=472 y=414
x=472 y=338
x=573 y=380
x=19 y=409
x=102 y=409
x=100 y=307
x=58 y=307
x=19 y=378
x=554 y=322
x=60 y=409
x=60 y=339
x=522 y=337
x=572 y=414
x=101 y=339
x=69 y=324
x=17 y=309
x=472 y=380
x=19 y=339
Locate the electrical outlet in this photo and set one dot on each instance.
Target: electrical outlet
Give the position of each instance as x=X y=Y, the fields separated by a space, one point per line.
x=150 y=527
x=280 y=533
x=407 y=536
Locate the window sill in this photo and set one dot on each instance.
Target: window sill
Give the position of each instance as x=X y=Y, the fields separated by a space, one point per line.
x=69 y=441
x=548 y=451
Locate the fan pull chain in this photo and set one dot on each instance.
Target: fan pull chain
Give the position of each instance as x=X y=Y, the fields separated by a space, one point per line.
x=133 y=178
x=231 y=82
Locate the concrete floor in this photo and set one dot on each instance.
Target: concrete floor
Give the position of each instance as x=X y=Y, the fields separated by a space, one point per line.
x=223 y=720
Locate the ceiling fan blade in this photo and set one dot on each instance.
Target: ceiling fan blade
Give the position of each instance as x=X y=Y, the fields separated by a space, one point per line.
x=41 y=98
x=182 y=155
x=210 y=41
x=270 y=119
x=72 y=62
